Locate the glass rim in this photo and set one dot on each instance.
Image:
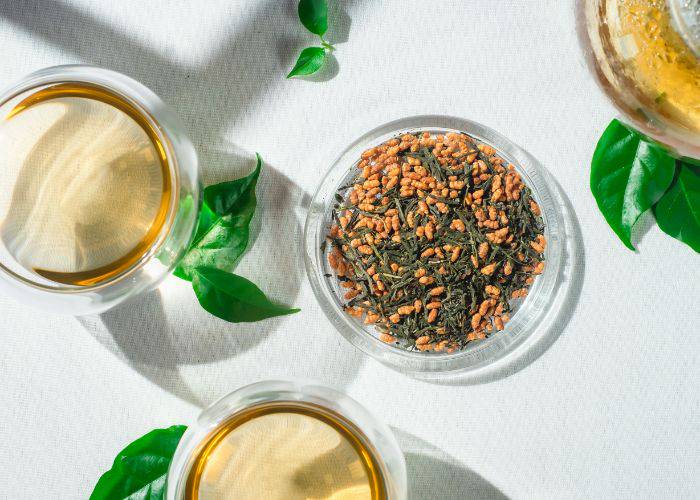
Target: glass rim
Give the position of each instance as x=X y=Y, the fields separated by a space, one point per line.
x=478 y=354
x=136 y=94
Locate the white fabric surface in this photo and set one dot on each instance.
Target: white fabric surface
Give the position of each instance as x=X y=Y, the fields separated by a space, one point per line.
x=609 y=410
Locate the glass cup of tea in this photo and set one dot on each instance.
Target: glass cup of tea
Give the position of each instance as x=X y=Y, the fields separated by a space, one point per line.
x=645 y=54
x=99 y=189
x=283 y=440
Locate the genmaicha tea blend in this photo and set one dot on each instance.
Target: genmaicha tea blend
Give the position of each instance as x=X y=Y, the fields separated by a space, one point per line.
x=435 y=240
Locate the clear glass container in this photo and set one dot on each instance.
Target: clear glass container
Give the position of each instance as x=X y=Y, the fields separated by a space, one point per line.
x=645 y=55
x=180 y=215
x=478 y=354
x=374 y=434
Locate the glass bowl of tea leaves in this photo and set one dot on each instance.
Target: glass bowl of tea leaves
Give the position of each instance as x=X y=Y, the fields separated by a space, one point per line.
x=435 y=245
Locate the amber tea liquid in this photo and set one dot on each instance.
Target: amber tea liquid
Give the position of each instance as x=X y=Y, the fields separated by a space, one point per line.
x=285 y=451
x=85 y=184
x=644 y=53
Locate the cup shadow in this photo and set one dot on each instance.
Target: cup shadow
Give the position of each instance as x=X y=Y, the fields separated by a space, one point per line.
x=434 y=474
x=156 y=338
x=567 y=292
x=170 y=340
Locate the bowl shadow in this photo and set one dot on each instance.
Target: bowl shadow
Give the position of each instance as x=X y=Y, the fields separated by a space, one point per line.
x=434 y=474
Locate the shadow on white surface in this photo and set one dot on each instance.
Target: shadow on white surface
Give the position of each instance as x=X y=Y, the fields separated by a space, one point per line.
x=209 y=97
x=170 y=340
x=434 y=474
x=568 y=293
x=152 y=336
x=139 y=334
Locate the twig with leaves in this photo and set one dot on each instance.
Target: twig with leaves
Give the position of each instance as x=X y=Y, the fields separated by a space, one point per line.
x=313 y=14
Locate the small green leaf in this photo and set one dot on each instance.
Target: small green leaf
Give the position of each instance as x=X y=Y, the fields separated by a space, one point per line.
x=223 y=231
x=140 y=469
x=310 y=61
x=233 y=298
x=629 y=173
x=678 y=211
x=313 y=14
x=234 y=196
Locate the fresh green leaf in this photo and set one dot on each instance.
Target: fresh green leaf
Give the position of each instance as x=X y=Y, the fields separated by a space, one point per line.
x=678 y=211
x=207 y=219
x=310 y=61
x=219 y=242
x=313 y=14
x=140 y=469
x=223 y=231
x=233 y=298
x=629 y=173
x=234 y=196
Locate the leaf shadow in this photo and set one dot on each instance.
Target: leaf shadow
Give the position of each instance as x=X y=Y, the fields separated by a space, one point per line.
x=339 y=22
x=432 y=473
x=644 y=224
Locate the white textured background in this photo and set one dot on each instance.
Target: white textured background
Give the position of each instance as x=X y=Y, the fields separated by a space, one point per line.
x=610 y=410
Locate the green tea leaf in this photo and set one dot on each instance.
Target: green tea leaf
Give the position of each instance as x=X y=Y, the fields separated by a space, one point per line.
x=313 y=14
x=140 y=469
x=629 y=173
x=220 y=240
x=234 y=196
x=233 y=298
x=310 y=61
x=678 y=211
x=223 y=231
